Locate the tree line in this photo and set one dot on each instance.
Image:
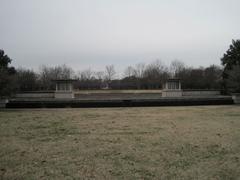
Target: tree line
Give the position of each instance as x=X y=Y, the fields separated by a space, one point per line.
x=139 y=76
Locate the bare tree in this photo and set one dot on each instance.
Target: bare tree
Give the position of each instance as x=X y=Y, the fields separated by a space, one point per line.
x=109 y=72
x=57 y=72
x=155 y=74
x=176 y=67
x=47 y=74
x=99 y=75
x=155 y=69
x=26 y=80
x=129 y=71
x=139 y=70
x=65 y=72
x=87 y=74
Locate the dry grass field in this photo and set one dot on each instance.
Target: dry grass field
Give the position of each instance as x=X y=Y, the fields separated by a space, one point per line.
x=121 y=143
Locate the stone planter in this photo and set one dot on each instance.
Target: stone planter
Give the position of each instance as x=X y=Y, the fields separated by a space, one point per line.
x=236 y=98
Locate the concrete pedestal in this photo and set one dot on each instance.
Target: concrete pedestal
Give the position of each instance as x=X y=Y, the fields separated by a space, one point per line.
x=63 y=95
x=172 y=93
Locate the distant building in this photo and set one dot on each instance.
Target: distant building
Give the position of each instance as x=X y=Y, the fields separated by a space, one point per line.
x=172 y=88
x=64 y=89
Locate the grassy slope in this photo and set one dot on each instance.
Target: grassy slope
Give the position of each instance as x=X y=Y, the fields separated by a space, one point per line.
x=121 y=143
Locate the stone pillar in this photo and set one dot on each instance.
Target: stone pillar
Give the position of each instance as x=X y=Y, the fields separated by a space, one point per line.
x=3 y=103
x=236 y=98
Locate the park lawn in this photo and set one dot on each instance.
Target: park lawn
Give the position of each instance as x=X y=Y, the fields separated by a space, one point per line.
x=201 y=142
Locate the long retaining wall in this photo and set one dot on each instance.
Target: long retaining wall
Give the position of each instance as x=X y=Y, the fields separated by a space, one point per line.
x=104 y=96
x=35 y=95
x=119 y=103
x=50 y=94
x=200 y=93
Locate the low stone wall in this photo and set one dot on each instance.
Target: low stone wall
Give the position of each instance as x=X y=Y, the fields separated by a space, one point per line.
x=35 y=95
x=200 y=93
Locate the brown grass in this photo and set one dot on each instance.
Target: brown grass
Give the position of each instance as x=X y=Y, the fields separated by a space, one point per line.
x=121 y=143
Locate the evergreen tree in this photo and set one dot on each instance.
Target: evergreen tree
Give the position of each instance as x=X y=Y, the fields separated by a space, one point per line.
x=7 y=75
x=231 y=63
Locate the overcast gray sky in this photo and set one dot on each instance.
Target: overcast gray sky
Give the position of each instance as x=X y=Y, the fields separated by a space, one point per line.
x=93 y=33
